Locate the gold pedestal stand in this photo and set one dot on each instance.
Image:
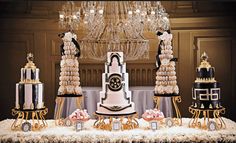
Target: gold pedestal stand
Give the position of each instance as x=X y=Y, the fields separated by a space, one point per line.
x=60 y=103
x=125 y=122
x=29 y=120
x=214 y=123
x=175 y=120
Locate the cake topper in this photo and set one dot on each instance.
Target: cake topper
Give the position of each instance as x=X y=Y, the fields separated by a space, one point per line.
x=30 y=58
x=204 y=56
x=204 y=63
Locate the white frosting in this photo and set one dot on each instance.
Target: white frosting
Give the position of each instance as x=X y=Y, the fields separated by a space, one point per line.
x=40 y=94
x=28 y=74
x=115 y=98
x=22 y=74
x=28 y=96
x=17 y=96
x=37 y=74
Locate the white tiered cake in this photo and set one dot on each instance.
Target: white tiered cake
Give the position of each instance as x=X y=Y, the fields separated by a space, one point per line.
x=29 y=91
x=115 y=97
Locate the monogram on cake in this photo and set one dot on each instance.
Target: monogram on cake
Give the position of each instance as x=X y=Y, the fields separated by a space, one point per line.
x=115 y=97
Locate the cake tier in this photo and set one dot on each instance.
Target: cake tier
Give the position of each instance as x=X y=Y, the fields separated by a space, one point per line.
x=29 y=75
x=29 y=96
x=206 y=95
x=206 y=72
x=115 y=98
x=111 y=109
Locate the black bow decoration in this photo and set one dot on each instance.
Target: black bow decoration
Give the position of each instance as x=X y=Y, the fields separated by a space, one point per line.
x=158 y=61
x=61 y=35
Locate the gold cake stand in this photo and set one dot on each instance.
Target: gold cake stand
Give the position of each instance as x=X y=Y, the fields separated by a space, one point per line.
x=29 y=119
x=107 y=122
x=175 y=99
x=59 y=121
x=211 y=118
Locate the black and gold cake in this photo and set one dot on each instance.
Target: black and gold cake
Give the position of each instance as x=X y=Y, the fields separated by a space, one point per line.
x=206 y=90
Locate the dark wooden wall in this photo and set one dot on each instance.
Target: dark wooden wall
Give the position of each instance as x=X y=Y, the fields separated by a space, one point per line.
x=31 y=26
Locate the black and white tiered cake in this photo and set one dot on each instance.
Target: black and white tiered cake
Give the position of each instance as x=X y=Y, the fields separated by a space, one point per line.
x=206 y=90
x=115 y=97
x=29 y=91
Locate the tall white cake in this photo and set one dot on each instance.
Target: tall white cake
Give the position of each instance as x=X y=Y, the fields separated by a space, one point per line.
x=115 y=97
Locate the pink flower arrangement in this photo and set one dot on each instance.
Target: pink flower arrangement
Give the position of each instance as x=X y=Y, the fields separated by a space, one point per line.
x=154 y=114
x=81 y=115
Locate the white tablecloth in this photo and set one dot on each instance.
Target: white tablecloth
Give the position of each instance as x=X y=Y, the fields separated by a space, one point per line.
x=142 y=134
x=141 y=96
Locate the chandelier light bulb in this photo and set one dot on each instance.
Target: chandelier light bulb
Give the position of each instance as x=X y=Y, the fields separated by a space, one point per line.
x=130 y=12
x=100 y=11
x=74 y=17
x=61 y=16
x=152 y=12
x=92 y=11
x=137 y=10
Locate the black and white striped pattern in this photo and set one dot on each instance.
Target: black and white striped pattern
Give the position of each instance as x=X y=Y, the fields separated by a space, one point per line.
x=29 y=74
x=29 y=96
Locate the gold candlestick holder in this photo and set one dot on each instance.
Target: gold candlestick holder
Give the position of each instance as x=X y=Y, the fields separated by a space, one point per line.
x=60 y=100
x=171 y=120
x=28 y=120
x=211 y=118
x=116 y=122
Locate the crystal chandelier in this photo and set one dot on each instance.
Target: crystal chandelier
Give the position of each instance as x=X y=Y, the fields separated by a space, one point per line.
x=118 y=26
x=69 y=16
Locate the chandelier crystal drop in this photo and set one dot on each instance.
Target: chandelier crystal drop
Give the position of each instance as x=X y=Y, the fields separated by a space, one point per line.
x=116 y=26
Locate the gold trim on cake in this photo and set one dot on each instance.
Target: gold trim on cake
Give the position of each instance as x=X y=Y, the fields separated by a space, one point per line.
x=31 y=106
x=205 y=80
x=32 y=81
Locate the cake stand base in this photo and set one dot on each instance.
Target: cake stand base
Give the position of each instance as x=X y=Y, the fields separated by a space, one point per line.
x=175 y=120
x=116 y=122
x=29 y=120
x=207 y=123
x=59 y=121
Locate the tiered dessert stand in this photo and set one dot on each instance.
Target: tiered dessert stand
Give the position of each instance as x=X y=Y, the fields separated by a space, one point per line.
x=166 y=84
x=210 y=113
x=29 y=117
x=69 y=76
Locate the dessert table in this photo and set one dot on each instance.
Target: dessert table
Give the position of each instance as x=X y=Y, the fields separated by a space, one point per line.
x=68 y=134
x=142 y=96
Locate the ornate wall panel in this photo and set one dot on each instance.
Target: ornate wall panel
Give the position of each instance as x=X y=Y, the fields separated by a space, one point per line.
x=14 y=47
